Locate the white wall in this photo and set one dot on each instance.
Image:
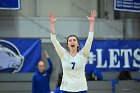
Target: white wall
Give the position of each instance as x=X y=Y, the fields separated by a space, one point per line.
x=32 y=20
x=62 y=8
x=24 y=27
x=67 y=8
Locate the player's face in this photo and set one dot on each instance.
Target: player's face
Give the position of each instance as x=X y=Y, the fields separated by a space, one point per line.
x=41 y=66
x=72 y=43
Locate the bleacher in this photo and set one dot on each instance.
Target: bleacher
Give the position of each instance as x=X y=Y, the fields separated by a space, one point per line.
x=22 y=83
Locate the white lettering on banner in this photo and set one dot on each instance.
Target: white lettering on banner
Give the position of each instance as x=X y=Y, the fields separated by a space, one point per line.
x=99 y=59
x=126 y=53
x=114 y=55
x=137 y=57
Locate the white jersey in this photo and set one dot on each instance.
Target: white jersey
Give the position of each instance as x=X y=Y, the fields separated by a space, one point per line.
x=73 y=67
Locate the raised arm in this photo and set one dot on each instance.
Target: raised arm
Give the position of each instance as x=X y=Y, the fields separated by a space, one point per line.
x=49 y=70
x=59 y=49
x=86 y=49
x=91 y=20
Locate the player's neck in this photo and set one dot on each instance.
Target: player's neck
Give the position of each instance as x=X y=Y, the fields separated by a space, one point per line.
x=73 y=52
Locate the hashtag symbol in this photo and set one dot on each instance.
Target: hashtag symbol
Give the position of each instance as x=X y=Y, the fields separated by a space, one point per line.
x=91 y=58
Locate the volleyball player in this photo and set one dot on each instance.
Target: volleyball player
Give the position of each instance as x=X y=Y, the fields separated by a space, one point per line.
x=74 y=60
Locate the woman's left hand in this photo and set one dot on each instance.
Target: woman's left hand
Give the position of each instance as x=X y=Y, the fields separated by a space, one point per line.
x=92 y=16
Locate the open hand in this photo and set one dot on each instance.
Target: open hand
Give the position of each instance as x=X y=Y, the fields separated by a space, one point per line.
x=92 y=16
x=52 y=17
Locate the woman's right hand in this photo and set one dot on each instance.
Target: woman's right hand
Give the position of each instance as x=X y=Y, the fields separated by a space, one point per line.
x=52 y=21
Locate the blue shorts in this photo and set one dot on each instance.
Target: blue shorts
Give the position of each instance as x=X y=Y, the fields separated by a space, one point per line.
x=74 y=92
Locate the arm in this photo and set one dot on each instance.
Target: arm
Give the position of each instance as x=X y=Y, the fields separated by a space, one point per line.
x=59 y=49
x=49 y=70
x=34 y=85
x=86 y=49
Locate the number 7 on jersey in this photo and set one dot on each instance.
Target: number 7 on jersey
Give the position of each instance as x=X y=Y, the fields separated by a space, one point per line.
x=73 y=65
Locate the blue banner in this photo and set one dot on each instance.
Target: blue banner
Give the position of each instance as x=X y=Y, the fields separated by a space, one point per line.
x=114 y=55
x=19 y=55
x=10 y=4
x=127 y=5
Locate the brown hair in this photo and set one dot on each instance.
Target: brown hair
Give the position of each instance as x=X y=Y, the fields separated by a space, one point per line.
x=78 y=48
